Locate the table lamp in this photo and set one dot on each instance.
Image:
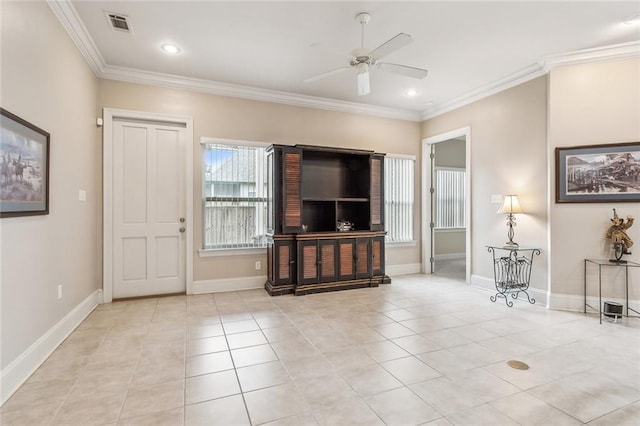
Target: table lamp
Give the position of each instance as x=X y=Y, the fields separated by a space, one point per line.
x=510 y=206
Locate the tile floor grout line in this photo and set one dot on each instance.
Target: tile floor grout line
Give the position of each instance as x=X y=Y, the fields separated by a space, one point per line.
x=82 y=370
x=126 y=392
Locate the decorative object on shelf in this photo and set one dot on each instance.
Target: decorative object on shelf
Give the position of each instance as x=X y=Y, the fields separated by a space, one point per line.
x=598 y=173
x=511 y=206
x=24 y=167
x=512 y=272
x=344 y=225
x=618 y=236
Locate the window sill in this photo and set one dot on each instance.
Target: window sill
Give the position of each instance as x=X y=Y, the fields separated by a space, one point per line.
x=401 y=244
x=232 y=252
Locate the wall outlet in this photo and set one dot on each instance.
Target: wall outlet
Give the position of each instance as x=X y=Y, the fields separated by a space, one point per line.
x=258 y=265
x=60 y=292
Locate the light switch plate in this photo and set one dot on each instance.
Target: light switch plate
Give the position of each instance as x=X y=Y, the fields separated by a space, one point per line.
x=82 y=195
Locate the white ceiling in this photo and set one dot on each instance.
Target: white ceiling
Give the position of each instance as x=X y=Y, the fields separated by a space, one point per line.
x=467 y=46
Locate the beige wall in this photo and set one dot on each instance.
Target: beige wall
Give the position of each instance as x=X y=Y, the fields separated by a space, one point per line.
x=230 y=118
x=46 y=81
x=450 y=241
x=451 y=153
x=591 y=104
x=508 y=156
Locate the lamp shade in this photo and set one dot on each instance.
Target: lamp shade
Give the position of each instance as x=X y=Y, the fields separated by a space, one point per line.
x=511 y=205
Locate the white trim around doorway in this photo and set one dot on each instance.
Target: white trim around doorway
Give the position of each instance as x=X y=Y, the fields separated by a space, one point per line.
x=426 y=200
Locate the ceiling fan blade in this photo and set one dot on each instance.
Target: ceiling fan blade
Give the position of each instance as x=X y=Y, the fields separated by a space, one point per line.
x=326 y=74
x=407 y=71
x=391 y=46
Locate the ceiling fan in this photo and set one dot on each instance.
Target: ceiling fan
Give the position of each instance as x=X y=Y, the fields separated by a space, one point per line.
x=363 y=59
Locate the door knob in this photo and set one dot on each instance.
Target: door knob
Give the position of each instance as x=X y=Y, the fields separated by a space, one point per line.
x=182 y=229
x=181 y=220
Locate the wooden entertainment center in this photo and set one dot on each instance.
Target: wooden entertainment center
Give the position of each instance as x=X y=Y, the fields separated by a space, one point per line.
x=309 y=190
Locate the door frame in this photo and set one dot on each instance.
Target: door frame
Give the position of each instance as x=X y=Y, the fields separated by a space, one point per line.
x=109 y=116
x=427 y=242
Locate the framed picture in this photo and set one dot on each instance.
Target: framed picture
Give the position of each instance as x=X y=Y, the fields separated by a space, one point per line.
x=24 y=167
x=598 y=173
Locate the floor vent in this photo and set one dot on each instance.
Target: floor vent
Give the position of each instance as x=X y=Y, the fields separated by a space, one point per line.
x=119 y=22
x=518 y=365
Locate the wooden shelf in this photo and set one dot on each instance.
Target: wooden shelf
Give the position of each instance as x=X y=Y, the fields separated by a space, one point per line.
x=339 y=199
x=311 y=189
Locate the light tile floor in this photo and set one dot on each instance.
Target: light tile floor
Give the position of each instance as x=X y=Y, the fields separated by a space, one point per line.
x=423 y=350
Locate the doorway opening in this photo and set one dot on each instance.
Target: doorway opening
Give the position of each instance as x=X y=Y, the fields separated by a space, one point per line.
x=446 y=205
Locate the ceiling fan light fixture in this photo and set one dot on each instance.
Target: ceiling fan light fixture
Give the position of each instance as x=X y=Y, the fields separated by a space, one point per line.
x=363 y=80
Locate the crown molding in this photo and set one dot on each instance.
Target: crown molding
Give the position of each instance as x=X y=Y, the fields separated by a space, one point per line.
x=519 y=77
x=68 y=17
x=253 y=93
x=612 y=52
x=599 y=54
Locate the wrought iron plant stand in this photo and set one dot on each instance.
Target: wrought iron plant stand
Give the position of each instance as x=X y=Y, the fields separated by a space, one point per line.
x=512 y=272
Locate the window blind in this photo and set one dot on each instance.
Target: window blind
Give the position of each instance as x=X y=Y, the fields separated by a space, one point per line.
x=449 y=198
x=399 y=199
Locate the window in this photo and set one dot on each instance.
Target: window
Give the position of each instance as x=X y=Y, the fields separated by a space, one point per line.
x=398 y=193
x=234 y=195
x=449 y=198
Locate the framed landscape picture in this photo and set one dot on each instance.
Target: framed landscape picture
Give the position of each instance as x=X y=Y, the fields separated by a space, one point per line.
x=598 y=173
x=24 y=167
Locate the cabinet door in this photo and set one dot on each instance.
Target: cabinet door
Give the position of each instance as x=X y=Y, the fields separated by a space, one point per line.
x=377 y=193
x=346 y=259
x=363 y=258
x=291 y=184
x=328 y=263
x=308 y=262
x=377 y=256
x=283 y=262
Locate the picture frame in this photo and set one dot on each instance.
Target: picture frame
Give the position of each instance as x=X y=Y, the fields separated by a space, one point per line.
x=608 y=173
x=24 y=167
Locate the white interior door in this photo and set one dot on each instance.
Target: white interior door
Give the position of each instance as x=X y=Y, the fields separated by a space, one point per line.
x=149 y=208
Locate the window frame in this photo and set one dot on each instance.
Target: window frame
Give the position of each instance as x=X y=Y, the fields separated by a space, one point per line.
x=224 y=251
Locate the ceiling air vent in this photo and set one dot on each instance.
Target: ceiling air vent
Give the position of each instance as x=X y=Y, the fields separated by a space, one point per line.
x=119 y=22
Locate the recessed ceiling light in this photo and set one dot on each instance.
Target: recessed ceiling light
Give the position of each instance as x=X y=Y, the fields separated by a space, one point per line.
x=171 y=49
x=411 y=93
x=633 y=20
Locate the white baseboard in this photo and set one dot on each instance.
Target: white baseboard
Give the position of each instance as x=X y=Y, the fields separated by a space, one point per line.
x=450 y=256
x=403 y=269
x=228 y=284
x=489 y=285
x=575 y=303
x=16 y=373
